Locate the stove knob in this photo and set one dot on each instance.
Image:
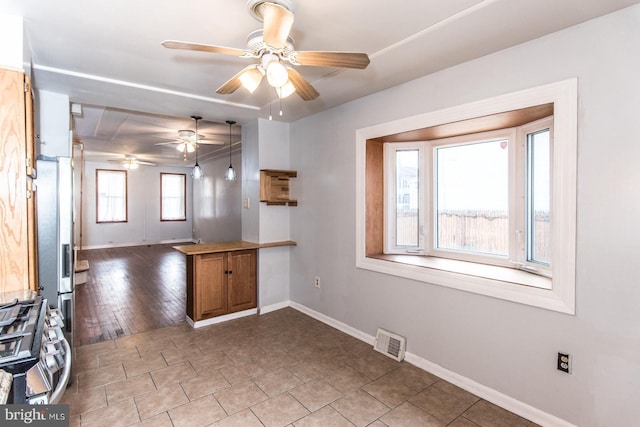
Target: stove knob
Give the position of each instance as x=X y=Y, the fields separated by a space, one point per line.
x=51 y=335
x=52 y=364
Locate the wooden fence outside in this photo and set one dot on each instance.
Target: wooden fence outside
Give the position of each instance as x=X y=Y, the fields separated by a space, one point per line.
x=485 y=232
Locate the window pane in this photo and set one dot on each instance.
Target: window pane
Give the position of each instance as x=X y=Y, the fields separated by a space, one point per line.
x=111 y=189
x=407 y=186
x=473 y=197
x=172 y=205
x=538 y=197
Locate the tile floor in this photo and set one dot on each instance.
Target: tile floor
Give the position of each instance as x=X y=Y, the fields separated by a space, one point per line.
x=279 y=369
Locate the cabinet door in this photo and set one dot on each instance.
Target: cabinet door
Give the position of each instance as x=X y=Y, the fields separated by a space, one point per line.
x=211 y=285
x=14 y=243
x=241 y=278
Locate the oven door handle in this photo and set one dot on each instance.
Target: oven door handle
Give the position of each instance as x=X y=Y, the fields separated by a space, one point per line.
x=64 y=378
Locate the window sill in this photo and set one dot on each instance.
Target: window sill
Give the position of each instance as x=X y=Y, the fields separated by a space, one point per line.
x=502 y=274
x=498 y=282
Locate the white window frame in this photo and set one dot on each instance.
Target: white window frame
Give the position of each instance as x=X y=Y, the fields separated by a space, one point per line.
x=556 y=293
x=181 y=196
x=105 y=196
x=508 y=134
x=520 y=257
x=390 y=196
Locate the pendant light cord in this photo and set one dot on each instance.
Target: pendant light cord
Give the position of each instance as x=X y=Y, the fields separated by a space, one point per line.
x=231 y=173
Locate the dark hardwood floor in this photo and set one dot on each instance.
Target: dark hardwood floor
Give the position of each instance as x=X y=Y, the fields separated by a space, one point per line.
x=129 y=290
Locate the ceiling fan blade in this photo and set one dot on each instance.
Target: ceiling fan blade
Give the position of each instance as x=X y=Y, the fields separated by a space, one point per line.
x=174 y=44
x=277 y=25
x=205 y=142
x=331 y=59
x=303 y=87
x=145 y=163
x=235 y=82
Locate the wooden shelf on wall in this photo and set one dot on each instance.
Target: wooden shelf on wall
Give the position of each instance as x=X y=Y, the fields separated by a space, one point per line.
x=274 y=187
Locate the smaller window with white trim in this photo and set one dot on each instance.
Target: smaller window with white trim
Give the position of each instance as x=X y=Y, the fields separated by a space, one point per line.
x=173 y=199
x=111 y=196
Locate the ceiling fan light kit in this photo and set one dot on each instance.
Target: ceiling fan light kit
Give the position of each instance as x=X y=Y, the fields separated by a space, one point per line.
x=273 y=46
x=251 y=78
x=131 y=162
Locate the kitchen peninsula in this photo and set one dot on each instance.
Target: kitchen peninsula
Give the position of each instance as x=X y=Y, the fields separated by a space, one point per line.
x=222 y=279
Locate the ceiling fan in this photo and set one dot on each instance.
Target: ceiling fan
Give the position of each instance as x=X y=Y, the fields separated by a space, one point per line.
x=131 y=162
x=274 y=48
x=186 y=142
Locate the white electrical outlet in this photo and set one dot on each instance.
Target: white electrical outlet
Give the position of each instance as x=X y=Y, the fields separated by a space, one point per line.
x=245 y=203
x=316 y=282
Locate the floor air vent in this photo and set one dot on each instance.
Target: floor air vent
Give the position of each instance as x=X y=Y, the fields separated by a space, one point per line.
x=390 y=344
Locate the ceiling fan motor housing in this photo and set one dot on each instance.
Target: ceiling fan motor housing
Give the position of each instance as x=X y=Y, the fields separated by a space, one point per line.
x=256 y=7
x=257 y=46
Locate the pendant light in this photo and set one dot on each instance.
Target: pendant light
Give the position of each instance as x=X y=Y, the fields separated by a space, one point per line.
x=231 y=173
x=196 y=173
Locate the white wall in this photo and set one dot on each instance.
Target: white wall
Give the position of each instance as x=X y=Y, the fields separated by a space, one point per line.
x=144 y=225
x=53 y=124
x=504 y=346
x=266 y=146
x=11 y=48
x=217 y=203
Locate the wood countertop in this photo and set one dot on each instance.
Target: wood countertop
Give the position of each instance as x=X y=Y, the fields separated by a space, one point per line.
x=240 y=245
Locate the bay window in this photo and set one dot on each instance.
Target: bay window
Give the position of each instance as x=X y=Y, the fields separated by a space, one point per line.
x=479 y=197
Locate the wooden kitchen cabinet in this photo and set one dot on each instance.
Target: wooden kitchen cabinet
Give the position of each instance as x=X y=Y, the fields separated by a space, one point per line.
x=18 y=260
x=223 y=283
x=222 y=278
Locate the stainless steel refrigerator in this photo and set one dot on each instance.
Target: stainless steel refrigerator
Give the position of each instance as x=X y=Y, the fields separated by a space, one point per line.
x=54 y=211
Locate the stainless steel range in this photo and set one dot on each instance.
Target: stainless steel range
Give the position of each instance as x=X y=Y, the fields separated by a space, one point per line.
x=34 y=351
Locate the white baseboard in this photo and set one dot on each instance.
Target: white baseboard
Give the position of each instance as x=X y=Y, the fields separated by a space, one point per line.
x=333 y=322
x=517 y=407
x=273 y=307
x=220 y=319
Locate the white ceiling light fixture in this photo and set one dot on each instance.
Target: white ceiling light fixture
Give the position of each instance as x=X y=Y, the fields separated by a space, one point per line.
x=231 y=173
x=277 y=75
x=196 y=173
x=251 y=78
